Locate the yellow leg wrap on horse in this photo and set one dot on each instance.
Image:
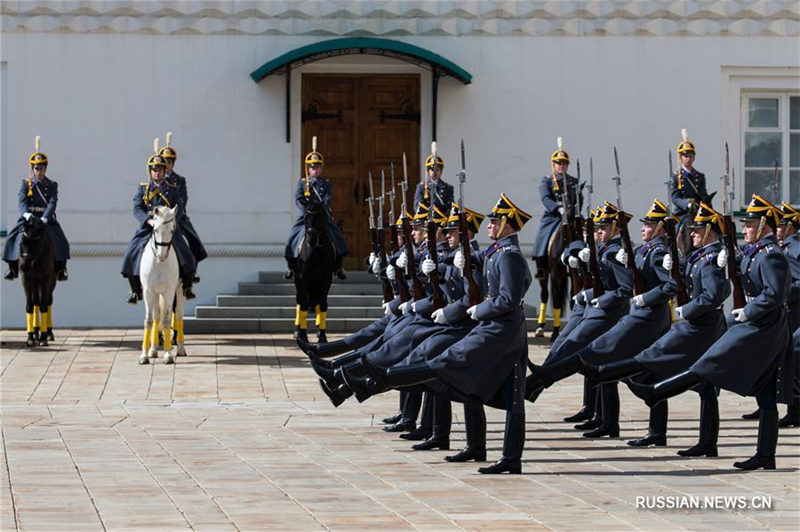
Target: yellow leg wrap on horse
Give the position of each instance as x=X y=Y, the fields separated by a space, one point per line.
x=49 y=323
x=172 y=323
x=146 y=340
x=167 y=338
x=542 y=313
x=44 y=321
x=322 y=320
x=179 y=325
x=301 y=318
x=154 y=334
x=29 y=322
x=37 y=320
x=556 y=317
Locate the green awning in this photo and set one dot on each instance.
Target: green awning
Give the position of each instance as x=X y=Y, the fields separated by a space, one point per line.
x=361 y=45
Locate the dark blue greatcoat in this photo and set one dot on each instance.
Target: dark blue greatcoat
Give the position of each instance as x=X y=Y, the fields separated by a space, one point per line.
x=189 y=232
x=492 y=357
x=612 y=305
x=693 y=186
x=791 y=246
x=551 y=200
x=42 y=204
x=149 y=196
x=441 y=192
x=321 y=189
x=744 y=359
x=703 y=321
x=642 y=325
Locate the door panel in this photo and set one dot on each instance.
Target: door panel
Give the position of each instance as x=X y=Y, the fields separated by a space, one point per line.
x=363 y=123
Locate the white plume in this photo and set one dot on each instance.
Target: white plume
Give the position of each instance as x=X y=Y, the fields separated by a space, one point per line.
x=36 y=142
x=313 y=143
x=560 y=142
x=433 y=148
x=684 y=135
x=155 y=145
x=169 y=138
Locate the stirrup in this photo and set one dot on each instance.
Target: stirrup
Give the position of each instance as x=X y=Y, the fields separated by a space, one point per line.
x=133 y=298
x=188 y=294
x=10 y=275
x=62 y=275
x=288 y=275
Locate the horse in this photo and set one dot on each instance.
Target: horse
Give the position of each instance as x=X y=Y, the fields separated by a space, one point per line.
x=555 y=275
x=37 y=265
x=159 y=271
x=316 y=262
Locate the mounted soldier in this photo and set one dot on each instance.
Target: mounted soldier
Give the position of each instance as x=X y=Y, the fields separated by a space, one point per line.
x=433 y=187
x=170 y=156
x=157 y=191
x=37 y=197
x=688 y=186
x=313 y=184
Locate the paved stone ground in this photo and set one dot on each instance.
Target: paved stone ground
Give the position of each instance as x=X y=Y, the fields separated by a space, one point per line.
x=238 y=436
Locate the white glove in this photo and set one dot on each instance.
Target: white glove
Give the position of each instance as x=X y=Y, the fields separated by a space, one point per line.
x=638 y=301
x=402 y=260
x=391 y=273
x=376 y=266
x=372 y=257
x=459 y=261
x=560 y=210
x=739 y=315
x=404 y=307
x=579 y=297
x=722 y=258
x=472 y=311
x=595 y=302
x=428 y=266
x=622 y=256
x=584 y=255
x=27 y=216
x=438 y=317
x=44 y=220
x=386 y=309
x=573 y=262
x=151 y=222
x=667 y=262
x=414 y=307
x=679 y=312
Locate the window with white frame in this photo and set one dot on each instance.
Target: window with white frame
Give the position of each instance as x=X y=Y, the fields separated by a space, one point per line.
x=771 y=145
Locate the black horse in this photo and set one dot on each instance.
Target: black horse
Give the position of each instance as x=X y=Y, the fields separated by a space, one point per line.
x=556 y=275
x=316 y=262
x=37 y=265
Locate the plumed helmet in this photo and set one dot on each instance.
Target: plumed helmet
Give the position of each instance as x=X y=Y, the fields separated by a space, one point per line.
x=37 y=157
x=761 y=209
x=168 y=152
x=156 y=160
x=314 y=157
x=429 y=162
x=515 y=216
x=685 y=145
x=559 y=155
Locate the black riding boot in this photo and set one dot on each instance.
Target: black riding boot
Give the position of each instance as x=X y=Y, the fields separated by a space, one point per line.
x=545 y=376
x=442 y=423
x=339 y=268
x=657 y=427
x=291 y=266
x=587 y=410
x=609 y=401
x=541 y=267
x=324 y=350
x=792 y=417
x=391 y=420
x=653 y=393
x=425 y=428
x=61 y=270
x=338 y=394
x=186 y=281
x=767 y=430
x=597 y=413
x=709 y=425
x=475 y=428
x=410 y=407
x=13 y=270
x=136 y=289
x=614 y=371
x=755 y=414
x=513 y=445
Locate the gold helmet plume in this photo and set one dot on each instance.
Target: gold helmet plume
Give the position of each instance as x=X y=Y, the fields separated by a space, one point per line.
x=155 y=160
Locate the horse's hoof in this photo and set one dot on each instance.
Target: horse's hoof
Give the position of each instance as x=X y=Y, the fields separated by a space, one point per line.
x=153 y=353
x=554 y=335
x=322 y=338
x=168 y=358
x=180 y=353
x=50 y=336
x=43 y=341
x=301 y=334
x=30 y=342
x=539 y=332
x=143 y=359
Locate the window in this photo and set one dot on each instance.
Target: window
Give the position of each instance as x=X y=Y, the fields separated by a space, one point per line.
x=771 y=146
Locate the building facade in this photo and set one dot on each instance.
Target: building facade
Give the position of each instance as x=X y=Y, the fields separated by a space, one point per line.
x=244 y=85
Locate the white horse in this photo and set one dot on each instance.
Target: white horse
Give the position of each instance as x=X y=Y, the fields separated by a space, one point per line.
x=159 y=272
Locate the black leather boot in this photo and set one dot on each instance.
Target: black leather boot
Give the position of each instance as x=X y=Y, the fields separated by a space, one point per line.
x=475 y=428
x=792 y=417
x=324 y=350
x=291 y=266
x=653 y=393
x=767 y=442
x=409 y=407
x=587 y=410
x=609 y=401
x=61 y=270
x=513 y=445
x=425 y=428
x=336 y=395
x=391 y=420
x=340 y=273
x=657 y=428
x=752 y=415
x=442 y=422
x=13 y=270
x=136 y=289
x=709 y=426
x=614 y=371
x=545 y=376
x=186 y=281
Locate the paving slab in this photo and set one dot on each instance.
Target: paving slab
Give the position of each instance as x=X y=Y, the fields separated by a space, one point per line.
x=238 y=436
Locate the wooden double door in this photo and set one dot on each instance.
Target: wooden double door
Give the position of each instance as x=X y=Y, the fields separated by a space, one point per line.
x=363 y=123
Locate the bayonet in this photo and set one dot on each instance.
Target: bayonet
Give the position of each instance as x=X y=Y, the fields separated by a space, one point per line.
x=734 y=275
x=591 y=189
x=370 y=201
x=380 y=200
x=639 y=285
x=391 y=195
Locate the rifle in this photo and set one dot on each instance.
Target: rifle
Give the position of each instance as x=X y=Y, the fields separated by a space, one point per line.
x=472 y=287
x=402 y=285
x=416 y=285
x=639 y=286
x=377 y=244
x=681 y=296
x=594 y=266
x=433 y=277
x=566 y=230
x=735 y=277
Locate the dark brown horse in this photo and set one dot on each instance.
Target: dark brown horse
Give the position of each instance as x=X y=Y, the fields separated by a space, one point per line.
x=37 y=265
x=554 y=282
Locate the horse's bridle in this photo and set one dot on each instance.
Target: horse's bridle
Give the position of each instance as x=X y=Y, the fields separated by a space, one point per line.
x=157 y=244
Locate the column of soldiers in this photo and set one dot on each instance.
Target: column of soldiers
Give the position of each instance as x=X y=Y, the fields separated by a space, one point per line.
x=624 y=326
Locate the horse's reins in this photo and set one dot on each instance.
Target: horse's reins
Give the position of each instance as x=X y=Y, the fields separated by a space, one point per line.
x=158 y=244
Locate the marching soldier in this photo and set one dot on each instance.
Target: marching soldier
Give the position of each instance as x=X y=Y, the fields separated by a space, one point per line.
x=551 y=190
x=701 y=323
x=437 y=190
x=730 y=362
x=687 y=184
x=157 y=191
x=790 y=242
x=322 y=190
x=189 y=232
x=38 y=196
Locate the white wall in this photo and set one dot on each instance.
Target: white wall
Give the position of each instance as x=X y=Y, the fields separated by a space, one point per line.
x=98 y=101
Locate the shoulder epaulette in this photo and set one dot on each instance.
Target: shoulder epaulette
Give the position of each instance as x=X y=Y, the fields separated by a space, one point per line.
x=143 y=184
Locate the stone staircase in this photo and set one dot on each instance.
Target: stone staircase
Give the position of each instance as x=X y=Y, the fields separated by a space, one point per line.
x=268 y=306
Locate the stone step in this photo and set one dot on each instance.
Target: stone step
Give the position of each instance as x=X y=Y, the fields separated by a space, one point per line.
x=352 y=277
x=361 y=289
x=287 y=312
x=236 y=300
